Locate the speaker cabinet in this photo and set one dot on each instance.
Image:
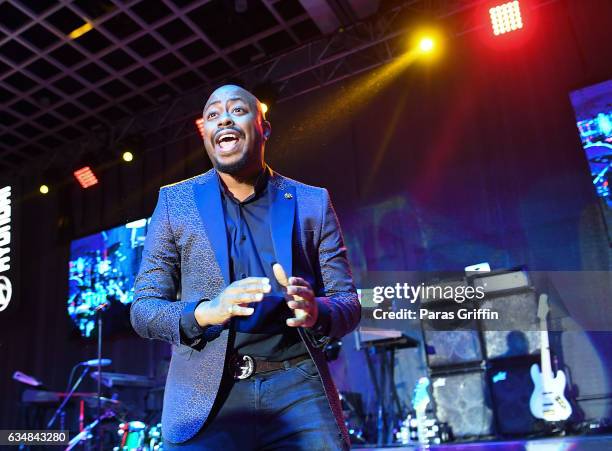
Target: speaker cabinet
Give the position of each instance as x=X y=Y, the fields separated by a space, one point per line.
x=511 y=389
x=516 y=332
x=450 y=342
x=446 y=348
x=462 y=401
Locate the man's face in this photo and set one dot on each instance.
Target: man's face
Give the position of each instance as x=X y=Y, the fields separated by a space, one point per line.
x=234 y=131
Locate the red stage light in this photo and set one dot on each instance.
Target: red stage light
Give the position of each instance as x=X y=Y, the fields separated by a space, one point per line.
x=200 y=124
x=506 y=18
x=85 y=177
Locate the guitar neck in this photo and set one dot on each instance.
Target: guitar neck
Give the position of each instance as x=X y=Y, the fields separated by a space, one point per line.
x=545 y=350
x=421 y=433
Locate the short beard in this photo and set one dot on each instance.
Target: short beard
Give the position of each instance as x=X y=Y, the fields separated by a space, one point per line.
x=233 y=168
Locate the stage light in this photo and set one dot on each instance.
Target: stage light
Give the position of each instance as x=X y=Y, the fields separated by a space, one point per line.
x=128 y=149
x=85 y=177
x=264 y=108
x=78 y=32
x=426 y=44
x=506 y=18
x=44 y=189
x=200 y=124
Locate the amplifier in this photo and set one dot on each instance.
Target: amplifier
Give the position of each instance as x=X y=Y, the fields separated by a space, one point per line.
x=452 y=347
x=444 y=347
x=462 y=401
x=436 y=292
x=585 y=362
x=499 y=282
x=511 y=389
x=516 y=332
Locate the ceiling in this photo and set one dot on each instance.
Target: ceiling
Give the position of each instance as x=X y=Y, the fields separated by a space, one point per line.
x=138 y=54
x=151 y=56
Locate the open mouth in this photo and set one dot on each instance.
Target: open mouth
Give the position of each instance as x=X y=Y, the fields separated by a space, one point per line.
x=227 y=141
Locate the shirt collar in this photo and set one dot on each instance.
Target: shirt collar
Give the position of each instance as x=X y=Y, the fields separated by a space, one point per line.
x=260 y=184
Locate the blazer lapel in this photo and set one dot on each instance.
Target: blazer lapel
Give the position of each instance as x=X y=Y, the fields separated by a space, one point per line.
x=208 y=201
x=282 y=214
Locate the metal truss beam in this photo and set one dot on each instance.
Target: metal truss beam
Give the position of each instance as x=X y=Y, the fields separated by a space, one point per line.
x=322 y=62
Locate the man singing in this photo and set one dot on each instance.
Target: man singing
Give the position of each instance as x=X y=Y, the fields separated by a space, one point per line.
x=264 y=282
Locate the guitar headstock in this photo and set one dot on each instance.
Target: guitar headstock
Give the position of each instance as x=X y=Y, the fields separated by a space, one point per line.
x=421 y=399
x=543 y=307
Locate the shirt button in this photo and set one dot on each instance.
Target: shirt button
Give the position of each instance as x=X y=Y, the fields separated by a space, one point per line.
x=242 y=237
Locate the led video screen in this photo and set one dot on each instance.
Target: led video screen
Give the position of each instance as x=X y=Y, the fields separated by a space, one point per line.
x=593 y=109
x=102 y=269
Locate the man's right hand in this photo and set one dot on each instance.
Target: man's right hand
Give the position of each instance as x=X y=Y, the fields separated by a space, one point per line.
x=231 y=301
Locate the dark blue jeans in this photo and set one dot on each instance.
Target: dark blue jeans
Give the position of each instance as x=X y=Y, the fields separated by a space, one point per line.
x=281 y=410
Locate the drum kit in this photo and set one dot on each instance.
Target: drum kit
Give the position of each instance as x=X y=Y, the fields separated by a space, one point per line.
x=136 y=435
x=129 y=436
x=117 y=426
x=126 y=436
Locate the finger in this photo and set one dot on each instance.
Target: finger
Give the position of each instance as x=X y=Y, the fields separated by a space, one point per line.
x=245 y=298
x=295 y=322
x=280 y=274
x=298 y=281
x=237 y=310
x=250 y=281
x=301 y=305
x=289 y=298
x=296 y=290
x=250 y=288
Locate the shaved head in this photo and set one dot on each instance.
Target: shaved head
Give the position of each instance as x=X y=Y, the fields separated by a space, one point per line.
x=247 y=95
x=235 y=131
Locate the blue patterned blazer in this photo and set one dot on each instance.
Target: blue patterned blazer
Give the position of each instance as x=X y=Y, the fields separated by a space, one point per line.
x=186 y=252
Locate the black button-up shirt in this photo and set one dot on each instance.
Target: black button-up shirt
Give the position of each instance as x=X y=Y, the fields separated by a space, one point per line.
x=264 y=334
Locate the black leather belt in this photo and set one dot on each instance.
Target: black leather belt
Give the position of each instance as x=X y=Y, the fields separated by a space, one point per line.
x=244 y=366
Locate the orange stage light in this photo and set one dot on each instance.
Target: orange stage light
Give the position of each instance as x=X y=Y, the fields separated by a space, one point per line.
x=85 y=177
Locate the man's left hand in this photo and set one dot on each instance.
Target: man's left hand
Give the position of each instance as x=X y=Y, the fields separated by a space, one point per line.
x=300 y=298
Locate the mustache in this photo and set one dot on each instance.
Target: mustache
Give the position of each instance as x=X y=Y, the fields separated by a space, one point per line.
x=225 y=129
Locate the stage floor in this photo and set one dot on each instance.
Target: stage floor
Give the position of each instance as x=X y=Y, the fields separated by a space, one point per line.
x=573 y=443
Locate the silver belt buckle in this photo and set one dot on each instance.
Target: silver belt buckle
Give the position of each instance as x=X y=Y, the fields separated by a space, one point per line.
x=244 y=367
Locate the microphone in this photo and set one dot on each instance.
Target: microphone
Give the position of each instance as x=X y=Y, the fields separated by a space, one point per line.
x=94 y=362
x=101 y=307
x=26 y=379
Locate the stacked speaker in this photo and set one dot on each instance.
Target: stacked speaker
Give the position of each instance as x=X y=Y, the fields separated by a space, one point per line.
x=479 y=368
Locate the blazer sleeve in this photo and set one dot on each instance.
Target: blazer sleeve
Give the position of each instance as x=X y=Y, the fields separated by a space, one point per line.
x=155 y=312
x=339 y=307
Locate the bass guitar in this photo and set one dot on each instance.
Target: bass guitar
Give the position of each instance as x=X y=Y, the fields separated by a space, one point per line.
x=548 y=401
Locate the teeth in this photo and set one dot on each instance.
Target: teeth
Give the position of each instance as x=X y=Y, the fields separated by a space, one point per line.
x=227 y=136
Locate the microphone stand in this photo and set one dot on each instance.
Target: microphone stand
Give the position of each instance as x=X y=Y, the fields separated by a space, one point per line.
x=99 y=311
x=67 y=398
